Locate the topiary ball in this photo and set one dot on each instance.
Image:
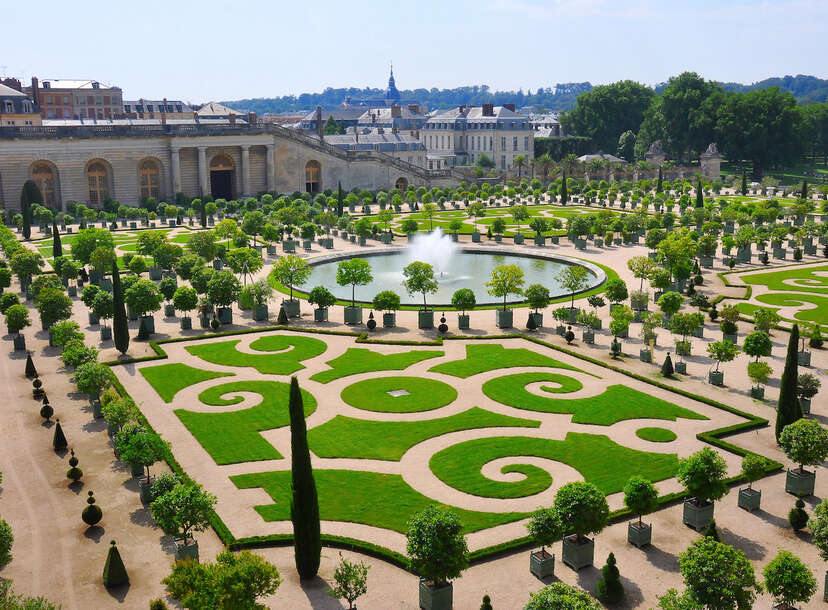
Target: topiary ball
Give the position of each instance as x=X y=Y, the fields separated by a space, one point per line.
x=443 y=328
x=569 y=335
x=214 y=323
x=372 y=323
x=92 y=514
x=46 y=411
x=74 y=472
x=798 y=518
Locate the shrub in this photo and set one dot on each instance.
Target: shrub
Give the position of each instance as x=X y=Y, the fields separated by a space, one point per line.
x=89 y=293
x=640 y=496
x=143 y=297
x=610 y=589
x=65 y=331
x=703 y=475
x=144 y=448
x=463 y=300
x=164 y=483
x=545 y=527
x=805 y=442
x=7 y=299
x=119 y=413
x=436 y=546
x=387 y=300
x=185 y=299
x=184 y=509
x=798 y=518
x=560 y=596
x=167 y=287
x=582 y=508
x=537 y=296
x=321 y=297
x=351 y=581
x=754 y=467
x=91 y=377
x=6 y=542
x=717 y=575
x=76 y=353
x=788 y=580
x=807 y=386
x=53 y=305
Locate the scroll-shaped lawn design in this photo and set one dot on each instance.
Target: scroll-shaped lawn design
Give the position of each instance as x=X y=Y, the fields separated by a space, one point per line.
x=492 y=356
x=358 y=360
x=809 y=279
x=617 y=403
x=169 y=379
x=347 y=437
x=370 y=498
x=399 y=394
x=813 y=308
x=290 y=351
x=231 y=437
x=601 y=461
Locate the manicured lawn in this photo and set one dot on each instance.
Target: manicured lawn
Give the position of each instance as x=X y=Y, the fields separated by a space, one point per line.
x=656 y=435
x=615 y=404
x=490 y=357
x=806 y=280
x=233 y=436
x=296 y=349
x=423 y=394
x=169 y=379
x=346 y=437
x=600 y=461
x=370 y=498
x=817 y=314
x=358 y=360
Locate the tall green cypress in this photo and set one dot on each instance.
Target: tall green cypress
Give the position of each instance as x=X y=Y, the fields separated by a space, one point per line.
x=804 y=189
x=699 y=195
x=744 y=184
x=564 y=192
x=660 y=183
x=789 y=410
x=304 y=504
x=57 y=247
x=339 y=199
x=120 y=325
x=29 y=195
x=203 y=212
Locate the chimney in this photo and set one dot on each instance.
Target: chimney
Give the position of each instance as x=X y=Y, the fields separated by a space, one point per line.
x=252 y=119
x=35 y=91
x=415 y=108
x=509 y=107
x=232 y=118
x=396 y=111
x=320 y=129
x=488 y=110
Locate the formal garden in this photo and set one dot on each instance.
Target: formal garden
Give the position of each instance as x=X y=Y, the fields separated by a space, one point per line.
x=262 y=406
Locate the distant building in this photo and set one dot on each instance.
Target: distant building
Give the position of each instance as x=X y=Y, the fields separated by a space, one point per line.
x=546 y=125
x=17 y=109
x=392 y=97
x=344 y=117
x=461 y=135
x=214 y=110
x=400 y=146
x=396 y=119
x=153 y=109
x=60 y=98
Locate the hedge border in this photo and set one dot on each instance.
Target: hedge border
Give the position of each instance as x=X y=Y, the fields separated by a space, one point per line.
x=711 y=437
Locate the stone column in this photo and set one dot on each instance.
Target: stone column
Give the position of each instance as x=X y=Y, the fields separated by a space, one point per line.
x=271 y=169
x=245 y=170
x=175 y=155
x=203 y=185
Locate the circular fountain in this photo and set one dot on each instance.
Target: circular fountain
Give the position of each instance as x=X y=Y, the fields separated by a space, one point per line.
x=455 y=267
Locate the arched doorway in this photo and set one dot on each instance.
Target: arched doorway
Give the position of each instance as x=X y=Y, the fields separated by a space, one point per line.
x=401 y=185
x=149 y=180
x=98 y=179
x=44 y=176
x=221 y=177
x=313 y=177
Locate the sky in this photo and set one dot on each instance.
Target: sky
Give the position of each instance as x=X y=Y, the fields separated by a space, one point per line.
x=207 y=50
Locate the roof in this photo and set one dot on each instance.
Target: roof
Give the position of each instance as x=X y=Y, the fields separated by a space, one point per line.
x=9 y=92
x=69 y=83
x=137 y=122
x=474 y=113
x=158 y=103
x=376 y=141
x=338 y=114
x=216 y=109
x=384 y=115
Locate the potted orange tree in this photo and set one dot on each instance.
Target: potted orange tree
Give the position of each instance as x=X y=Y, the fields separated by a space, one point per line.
x=583 y=510
x=544 y=527
x=641 y=497
x=703 y=476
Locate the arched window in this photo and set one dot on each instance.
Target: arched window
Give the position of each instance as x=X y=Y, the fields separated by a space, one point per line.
x=98 y=183
x=313 y=177
x=44 y=176
x=149 y=180
x=401 y=185
x=221 y=163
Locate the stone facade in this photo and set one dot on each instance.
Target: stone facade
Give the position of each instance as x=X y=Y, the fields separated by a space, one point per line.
x=711 y=162
x=129 y=162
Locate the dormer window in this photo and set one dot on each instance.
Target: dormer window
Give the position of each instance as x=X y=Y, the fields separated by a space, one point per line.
x=9 y=106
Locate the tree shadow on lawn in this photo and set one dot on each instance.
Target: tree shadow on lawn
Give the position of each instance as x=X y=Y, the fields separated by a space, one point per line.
x=316 y=591
x=752 y=550
x=661 y=559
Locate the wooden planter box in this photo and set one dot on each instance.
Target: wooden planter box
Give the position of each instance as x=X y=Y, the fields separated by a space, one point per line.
x=518 y=239
x=588 y=336
x=149 y=323
x=578 y=555
x=425 y=319
x=106 y=333
x=804 y=358
x=462 y=322
x=183 y=550
x=19 y=343
x=540 y=240
x=204 y=321
x=542 y=564
x=645 y=355
x=639 y=534
x=145 y=489
x=389 y=320
x=291 y=307
x=218 y=264
x=353 y=314
x=436 y=598
x=696 y=515
x=805 y=403
x=320 y=314
x=136 y=469
x=225 y=315
x=307 y=244
x=475 y=237
x=800 y=483
x=716 y=378
x=260 y=313
x=289 y=246
x=749 y=499
x=498 y=238
x=734 y=338
x=186 y=323
x=504 y=318
x=155 y=273
x=757 y=392
x=538 y=318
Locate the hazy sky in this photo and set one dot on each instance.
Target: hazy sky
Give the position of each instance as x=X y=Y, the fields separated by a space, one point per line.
x=207 y=50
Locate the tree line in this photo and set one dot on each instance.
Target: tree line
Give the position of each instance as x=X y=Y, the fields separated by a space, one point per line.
x=762 y=128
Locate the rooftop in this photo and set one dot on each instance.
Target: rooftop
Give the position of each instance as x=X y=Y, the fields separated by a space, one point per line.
x=9 y=92
x=70 y=83
x=216 y=109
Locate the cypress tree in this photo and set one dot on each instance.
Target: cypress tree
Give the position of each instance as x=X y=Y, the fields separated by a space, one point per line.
x=31 y=371
x=610 y=589
x=564 y=192
x=744 y=184
x=788 y=409
x=29 y=195
x=339 y=199
x=57 y=247
x=699 y=195
x=203 y=212
x=667 y=368
x=120 y=325
x=59 y=439
x=804 y=190
x=659 y=184
x=114 y=572
x=304 y=504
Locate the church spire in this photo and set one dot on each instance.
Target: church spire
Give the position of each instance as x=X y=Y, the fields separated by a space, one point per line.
x=391 y=92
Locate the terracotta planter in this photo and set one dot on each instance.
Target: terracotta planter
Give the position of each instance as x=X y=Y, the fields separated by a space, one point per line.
x=800 y=482
x=697 y=515
x=749 y=499
x=639 y=534
x=578 y=554
x=542 y=564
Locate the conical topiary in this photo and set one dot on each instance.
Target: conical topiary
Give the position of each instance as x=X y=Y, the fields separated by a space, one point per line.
x=798 y=518
x=282 y=320
x=31 y=371
x=372 y=323
x=667 y=368
x=59 y=439
x=610 y=589
x=74 y=472
x=487 y=603
x=530 y=323
x=114 y=572
x=711 y=532
x=92 y=514
x=46 y=411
